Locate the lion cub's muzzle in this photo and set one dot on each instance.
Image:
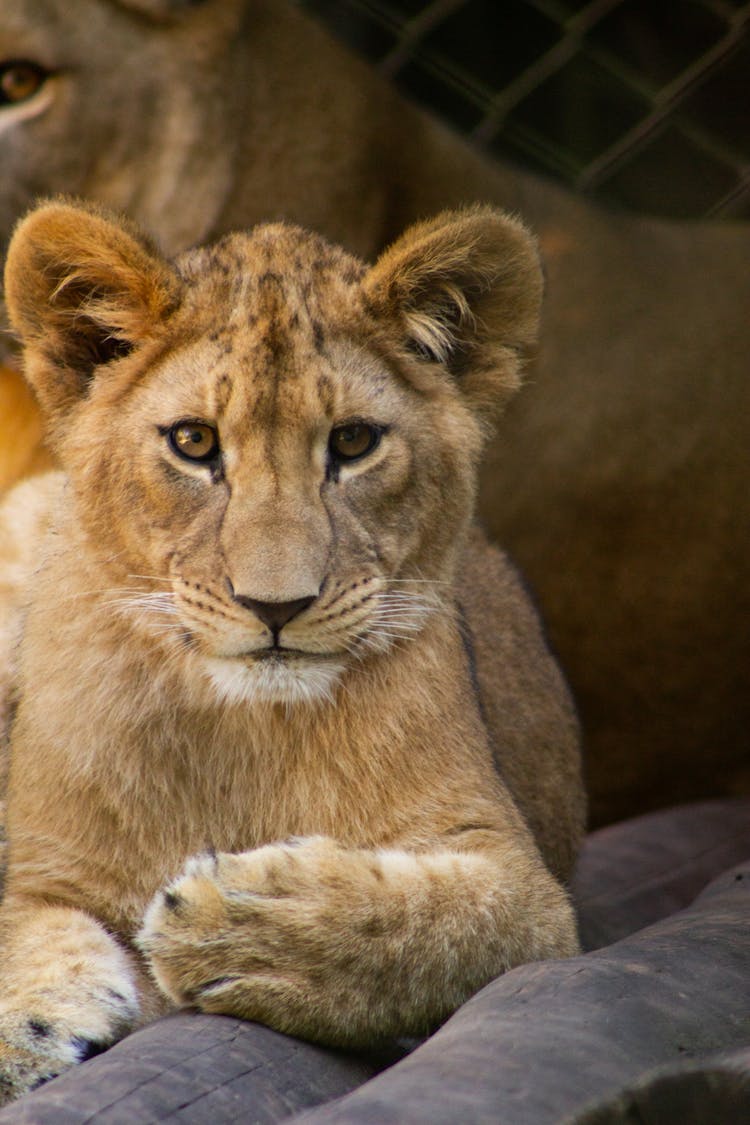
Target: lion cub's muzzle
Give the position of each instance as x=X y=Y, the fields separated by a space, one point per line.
x=274 y=615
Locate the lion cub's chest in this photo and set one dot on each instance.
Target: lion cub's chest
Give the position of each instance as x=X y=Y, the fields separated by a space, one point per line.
x=230 y=786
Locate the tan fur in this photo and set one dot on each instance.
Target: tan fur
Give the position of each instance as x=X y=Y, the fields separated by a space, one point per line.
x=26 y=454
x=619 y=480
x=360 y=863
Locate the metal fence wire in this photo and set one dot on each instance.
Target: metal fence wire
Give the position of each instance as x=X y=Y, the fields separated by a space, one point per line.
x=642 y=103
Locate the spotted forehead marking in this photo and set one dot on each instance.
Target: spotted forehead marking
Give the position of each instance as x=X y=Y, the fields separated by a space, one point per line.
x=275 y=295
x=223 y=392
x=279 y=289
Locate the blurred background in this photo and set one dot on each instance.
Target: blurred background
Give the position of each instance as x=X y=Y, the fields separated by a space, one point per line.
x=644 y=104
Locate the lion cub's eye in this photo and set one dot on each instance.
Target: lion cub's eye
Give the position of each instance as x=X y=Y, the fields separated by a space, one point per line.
x=195 y=441
x=19 y=81
x=352 y=441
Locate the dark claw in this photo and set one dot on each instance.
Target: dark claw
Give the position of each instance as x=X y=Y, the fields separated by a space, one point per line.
x=118 y=996
x=209 y=985
x=87 y=1048
x=41 y=1081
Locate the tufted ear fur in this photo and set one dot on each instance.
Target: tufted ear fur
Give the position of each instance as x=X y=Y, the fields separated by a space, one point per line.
x=465 y=291
x=82 y=289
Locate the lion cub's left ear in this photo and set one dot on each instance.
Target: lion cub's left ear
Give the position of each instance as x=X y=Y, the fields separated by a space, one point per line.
x=464 y=290
x=82 y=288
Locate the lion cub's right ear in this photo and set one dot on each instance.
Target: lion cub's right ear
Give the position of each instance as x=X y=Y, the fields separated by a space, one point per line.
x=464 y=290
x=83 y=288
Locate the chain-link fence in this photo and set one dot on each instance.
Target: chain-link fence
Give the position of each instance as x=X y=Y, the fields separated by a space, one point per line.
x=643 y=103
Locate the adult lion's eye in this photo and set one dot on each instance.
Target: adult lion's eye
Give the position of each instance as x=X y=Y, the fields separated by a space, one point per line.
x=19 y=81
x=195 y=441
x=353 y=440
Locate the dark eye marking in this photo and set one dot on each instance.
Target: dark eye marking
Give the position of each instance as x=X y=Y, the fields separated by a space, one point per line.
x=194 y=441
x=20 y=79
x=352 y=441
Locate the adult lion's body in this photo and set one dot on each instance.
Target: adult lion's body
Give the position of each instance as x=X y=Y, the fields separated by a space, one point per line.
x=261 y=623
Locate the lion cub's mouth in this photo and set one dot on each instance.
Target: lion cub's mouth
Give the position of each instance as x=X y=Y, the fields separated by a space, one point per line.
x=280 y=654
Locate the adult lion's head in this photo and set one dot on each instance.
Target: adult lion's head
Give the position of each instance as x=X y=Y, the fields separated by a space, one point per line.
x=271 y=447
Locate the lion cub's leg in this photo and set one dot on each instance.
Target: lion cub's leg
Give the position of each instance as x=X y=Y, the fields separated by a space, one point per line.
x=348 y=945
x=68 y=989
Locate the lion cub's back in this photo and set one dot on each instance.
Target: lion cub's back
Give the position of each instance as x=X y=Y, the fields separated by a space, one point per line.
x=525 y=702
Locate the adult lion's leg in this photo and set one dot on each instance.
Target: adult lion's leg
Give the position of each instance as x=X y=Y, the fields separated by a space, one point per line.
x=24 y=455
x=347 y=945
x=67 y=990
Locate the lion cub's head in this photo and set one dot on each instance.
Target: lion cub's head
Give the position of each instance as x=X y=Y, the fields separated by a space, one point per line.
x=270 y=445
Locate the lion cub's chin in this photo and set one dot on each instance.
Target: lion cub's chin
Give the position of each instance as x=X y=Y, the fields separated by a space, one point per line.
x=291 y=680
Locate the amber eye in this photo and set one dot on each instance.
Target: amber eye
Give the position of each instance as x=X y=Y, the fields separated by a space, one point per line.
x=195 y=441
x=19 y=81
x=352 y=441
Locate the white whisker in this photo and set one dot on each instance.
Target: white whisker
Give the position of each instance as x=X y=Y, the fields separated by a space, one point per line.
x=96 y=593
x=152 y=578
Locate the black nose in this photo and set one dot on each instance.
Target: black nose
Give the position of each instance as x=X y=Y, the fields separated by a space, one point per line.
x=274 y=614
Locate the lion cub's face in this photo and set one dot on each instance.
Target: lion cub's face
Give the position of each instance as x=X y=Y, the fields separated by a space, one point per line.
x=308 y=490
x=271 y=445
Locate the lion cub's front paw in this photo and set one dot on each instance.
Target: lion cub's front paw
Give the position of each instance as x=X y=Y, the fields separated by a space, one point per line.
x=32 y=1051
x=67 y=991
x=265 y=935
x=230 y=914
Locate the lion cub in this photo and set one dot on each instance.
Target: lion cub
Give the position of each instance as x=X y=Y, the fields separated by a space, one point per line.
x=262 y=632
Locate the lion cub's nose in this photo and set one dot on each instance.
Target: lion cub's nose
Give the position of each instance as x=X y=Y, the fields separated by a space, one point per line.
x=274 y=614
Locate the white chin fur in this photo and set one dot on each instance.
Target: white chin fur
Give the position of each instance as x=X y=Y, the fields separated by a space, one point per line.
x=268 y=681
